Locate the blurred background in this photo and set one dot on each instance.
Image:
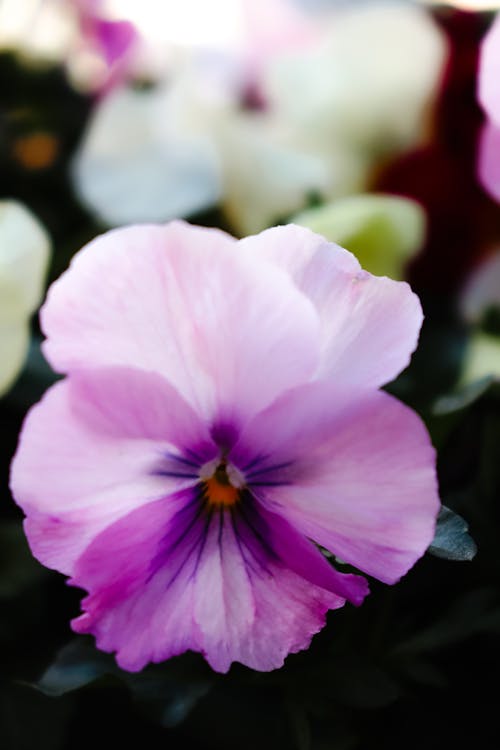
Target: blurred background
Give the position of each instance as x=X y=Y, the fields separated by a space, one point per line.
x=376 y=124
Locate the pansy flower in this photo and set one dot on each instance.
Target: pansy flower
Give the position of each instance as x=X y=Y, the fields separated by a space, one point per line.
x=221 y=420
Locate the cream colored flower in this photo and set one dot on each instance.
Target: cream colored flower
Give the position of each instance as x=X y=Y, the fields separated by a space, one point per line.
x=330 y=111
x=333 y=110
x=24 y=256
x=369 y=84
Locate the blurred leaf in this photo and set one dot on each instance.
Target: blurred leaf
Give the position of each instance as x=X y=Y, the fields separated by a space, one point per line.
x=35 y=378
x=18 y=568
x=436 y=364
x=423 y=672
x=29 y=720
x=351 y=680
x=77 y=664
x=451 y=540
x=482 y=358
x=383 y=231
x=464 y=397
x=300 y=726
x=474 y=613
x=167 y=692
x=363 y=686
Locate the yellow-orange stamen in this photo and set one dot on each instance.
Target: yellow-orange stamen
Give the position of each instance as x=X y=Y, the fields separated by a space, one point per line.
x=218 y=489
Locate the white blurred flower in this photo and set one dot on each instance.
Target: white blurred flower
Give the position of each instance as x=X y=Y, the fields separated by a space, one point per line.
x=147 y=155
x=38 y=29
x=369 y=84
x=330 y=104
x=265 y=177
x=332 y=111
x=24 y=256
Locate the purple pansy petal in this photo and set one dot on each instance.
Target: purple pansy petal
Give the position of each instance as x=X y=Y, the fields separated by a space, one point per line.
x=115 y=38
x=95 y=447
x=212 y=321
x=128 y=403
x=138 y=606
x=369 y=324
x=204 y=582
x=489 y=159
x=303 y=558
x=489 y=72
x=217 y=425
x=354 y=472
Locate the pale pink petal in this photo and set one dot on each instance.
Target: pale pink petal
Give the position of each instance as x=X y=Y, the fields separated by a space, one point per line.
x=204 y=582
x=95 y=447
x=273 y=28
x=181 y=301
x=355 y=473
x=369 y=324
x=489 y=160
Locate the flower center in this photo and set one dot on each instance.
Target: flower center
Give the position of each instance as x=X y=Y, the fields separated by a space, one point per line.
x=218 y=489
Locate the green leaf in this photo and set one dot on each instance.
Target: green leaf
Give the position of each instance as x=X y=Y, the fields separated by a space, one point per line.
x=77 y=664
x=166 y=692
x=169 y=691
x=383 y=231
x=464 y=397
x=482 y=358
x=451 y=540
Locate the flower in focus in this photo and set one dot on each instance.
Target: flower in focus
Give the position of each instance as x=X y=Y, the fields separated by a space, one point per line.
x=220 y=419
x=24 y=256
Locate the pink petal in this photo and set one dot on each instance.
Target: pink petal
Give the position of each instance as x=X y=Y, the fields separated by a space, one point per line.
x=301 y=556
x=369 y=324
x=489 y=72
x=354 y=472
x=91 y=451
x=128 y=588
x=115 y=38
x=489 y=160
x=198 y=582
x=273 y=28
x=180 y=301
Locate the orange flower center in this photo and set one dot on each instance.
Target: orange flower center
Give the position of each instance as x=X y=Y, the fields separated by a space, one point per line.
x=219 y=491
